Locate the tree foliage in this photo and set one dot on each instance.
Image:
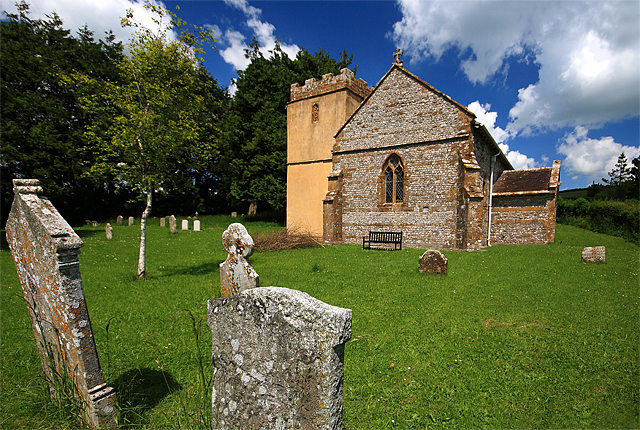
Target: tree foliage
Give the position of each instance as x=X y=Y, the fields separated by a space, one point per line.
x=254 y=156
x=42 y=122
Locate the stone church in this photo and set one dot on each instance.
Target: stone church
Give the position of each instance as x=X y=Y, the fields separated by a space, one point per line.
x=402 y=156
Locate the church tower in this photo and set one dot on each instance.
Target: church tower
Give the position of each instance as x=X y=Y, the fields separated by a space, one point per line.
x=315 y=113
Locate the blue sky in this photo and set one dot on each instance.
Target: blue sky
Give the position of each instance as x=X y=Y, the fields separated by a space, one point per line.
x=551 y=80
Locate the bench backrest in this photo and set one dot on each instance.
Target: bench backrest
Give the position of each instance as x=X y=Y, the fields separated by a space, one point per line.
x=385 y=236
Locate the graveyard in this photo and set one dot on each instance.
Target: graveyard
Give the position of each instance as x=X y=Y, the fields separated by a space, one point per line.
x=525 y=336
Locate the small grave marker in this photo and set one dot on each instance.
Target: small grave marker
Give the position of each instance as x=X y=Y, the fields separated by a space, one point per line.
x=108 y=231
x=278 y=360
x=196 y=225
x=236 y=274
x=162 y=222
x=185 y=224
x=433 y=261
x=234 y=214
x=173 y=228
x=119 y=220
x=593 y=254
x=130 y=221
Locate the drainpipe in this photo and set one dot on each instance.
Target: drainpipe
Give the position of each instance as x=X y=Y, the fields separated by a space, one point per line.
x=493 y=160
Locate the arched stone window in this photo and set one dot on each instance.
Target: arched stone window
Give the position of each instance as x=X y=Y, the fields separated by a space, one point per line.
x=315 y=113
x=394 y=175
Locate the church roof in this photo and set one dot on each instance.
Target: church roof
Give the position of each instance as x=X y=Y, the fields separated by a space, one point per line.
x=529 y=181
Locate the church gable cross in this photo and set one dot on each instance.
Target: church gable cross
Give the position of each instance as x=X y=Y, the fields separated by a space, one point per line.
x=396 y=57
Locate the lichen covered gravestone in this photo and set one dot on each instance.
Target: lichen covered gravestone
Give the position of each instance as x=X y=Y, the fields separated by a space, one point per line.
x=278 y=360
x=593 y=254
x=433 y=261
x=163 y=222
x=236 y=274
x=108 y=230
x=173 y=229
x=119 y=220
x=45 y=249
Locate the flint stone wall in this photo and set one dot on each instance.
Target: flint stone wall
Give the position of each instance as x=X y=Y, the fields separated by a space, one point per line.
x=45 y=249
x=278 y=360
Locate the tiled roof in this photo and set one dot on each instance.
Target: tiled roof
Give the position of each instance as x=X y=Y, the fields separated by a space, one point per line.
x=523 y=181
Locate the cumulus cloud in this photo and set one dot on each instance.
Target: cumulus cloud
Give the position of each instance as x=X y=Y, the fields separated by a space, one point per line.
x=488 y=119
x=588 y=54
x=264 y=32
x=593 y=158
x=100 y=16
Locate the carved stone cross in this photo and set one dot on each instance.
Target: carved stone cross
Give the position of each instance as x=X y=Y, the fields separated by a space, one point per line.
x=396 y=56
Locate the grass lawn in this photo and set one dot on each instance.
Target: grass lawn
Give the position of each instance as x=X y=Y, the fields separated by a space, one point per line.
x=512 y=337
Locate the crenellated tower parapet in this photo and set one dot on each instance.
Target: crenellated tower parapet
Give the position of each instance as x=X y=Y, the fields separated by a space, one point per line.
x=329 y=83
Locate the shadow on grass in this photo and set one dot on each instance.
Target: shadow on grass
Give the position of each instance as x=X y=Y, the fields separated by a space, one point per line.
x=201 y=269
x=140 y=390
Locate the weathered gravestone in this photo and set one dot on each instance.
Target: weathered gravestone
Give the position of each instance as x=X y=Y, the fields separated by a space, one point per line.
x=45 y=249
x=234 y=214
x=163 y=222
x=173 y=228
x=130 y=221
x=196 y=225
x=119 y=220
x=236 y=274
x=185 y=224
x=108 y=231
x=593 y=254
x=278 y=360
x=433 y=261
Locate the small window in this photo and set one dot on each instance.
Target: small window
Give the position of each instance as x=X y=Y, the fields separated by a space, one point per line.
x=315 y=113
x=394 y=180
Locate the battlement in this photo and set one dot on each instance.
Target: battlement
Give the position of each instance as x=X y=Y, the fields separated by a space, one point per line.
x=329 y=82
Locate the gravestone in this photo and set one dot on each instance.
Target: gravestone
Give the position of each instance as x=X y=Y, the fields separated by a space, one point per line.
x=108 y=231
x=119 y=220
x=185 y=224
x=95 y=223
x=196 y=225
x=433 y=261
x=593 y=254
x=278 y=360
x=173 y=228
x=162 y=222
x=130 y=221
x=234 y=214
x=253 y=209
x=236 y=274
x=45 y=249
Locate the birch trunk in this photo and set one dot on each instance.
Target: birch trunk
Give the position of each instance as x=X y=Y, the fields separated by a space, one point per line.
x=142 y=259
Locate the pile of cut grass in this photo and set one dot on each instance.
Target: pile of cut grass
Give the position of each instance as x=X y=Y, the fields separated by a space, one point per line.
x=513 y=336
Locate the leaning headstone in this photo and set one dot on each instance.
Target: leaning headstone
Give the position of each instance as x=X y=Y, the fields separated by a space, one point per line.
x=278 y=360
x=173 y=228
x=119 y=220
x=185 y=224
x=162 y=222
x=253 y=209
x=593 y=254
x=95 y=223
x=45 y=249
x=234 y=214
x=433 y=261
x=196 y=225
x=108 y=231
x=130 y=221
x=236 y=274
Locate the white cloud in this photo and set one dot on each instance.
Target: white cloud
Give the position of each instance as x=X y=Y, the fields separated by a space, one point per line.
x=588 y=53
x=99 y=15
x=234 y=53
x=593 y=158
x=488 y=119
x=517 y=160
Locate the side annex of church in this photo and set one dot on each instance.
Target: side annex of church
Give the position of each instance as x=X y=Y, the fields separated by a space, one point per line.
x=403 y=156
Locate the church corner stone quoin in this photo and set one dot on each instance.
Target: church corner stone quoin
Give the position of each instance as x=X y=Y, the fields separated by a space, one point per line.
x=402 y=156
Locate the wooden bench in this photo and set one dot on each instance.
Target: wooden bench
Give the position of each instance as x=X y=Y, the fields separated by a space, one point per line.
x=394 y=238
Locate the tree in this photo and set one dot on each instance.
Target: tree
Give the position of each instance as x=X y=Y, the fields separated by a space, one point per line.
x=42 y=121
x=618 y=176
x=634 y=192
x=254 y=153
x=155 y=114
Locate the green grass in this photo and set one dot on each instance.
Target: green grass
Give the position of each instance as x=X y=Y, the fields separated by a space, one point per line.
x=512 y=337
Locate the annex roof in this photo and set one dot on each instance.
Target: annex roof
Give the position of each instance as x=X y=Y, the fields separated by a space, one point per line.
x=529 y=181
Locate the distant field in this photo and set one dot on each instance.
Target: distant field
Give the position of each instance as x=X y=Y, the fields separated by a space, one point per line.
x=512 y=337
x=574 y=194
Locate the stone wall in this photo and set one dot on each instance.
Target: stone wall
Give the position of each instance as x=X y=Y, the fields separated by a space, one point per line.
x=523 y=219
x=428 y=131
